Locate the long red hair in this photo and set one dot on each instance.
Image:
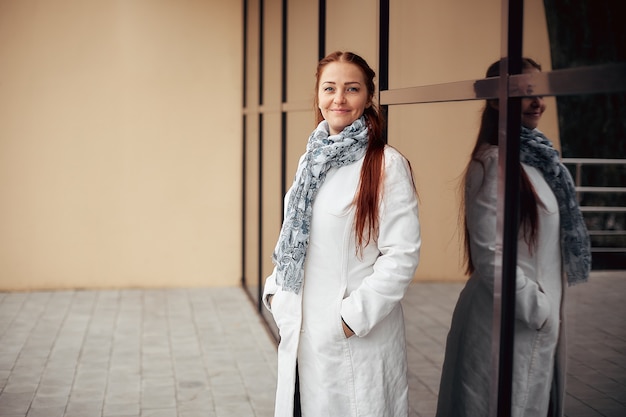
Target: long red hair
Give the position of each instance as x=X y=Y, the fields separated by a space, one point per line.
x=488 y=134
x=370 y=185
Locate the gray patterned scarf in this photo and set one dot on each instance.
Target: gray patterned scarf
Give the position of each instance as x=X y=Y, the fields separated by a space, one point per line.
x=323 y=152
x=537 y=151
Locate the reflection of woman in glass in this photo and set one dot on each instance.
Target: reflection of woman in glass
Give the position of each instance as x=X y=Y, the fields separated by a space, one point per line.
x=553 y=250
x=347 y=251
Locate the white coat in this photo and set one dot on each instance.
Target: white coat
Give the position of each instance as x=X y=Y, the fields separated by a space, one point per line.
x=539 y=355
x=366 y=374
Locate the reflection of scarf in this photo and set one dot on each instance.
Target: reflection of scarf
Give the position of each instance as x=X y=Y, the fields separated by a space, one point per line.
x=323 y=152
x=537 y=151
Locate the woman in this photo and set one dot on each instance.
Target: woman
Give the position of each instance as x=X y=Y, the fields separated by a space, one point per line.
x=347 y=251
x=553 y=246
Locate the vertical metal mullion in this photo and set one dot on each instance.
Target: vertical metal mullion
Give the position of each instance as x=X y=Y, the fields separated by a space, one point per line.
x=321 y=33
x=244 y=99
x=260 y=158
x=283 y=119
x=508 y=203
x=383 y=55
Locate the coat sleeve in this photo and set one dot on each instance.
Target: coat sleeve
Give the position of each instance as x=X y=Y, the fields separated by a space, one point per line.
x=481 y=198
x=399 y=244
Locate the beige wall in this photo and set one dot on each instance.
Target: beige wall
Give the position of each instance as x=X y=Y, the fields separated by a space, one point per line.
x=120 y=132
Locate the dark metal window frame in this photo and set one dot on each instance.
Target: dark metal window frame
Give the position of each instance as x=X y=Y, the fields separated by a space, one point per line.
x=581 y=80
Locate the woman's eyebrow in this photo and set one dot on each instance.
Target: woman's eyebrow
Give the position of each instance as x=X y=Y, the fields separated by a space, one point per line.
x=346 y=83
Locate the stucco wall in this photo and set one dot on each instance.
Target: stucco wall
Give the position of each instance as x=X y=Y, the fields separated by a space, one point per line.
x=120 y=132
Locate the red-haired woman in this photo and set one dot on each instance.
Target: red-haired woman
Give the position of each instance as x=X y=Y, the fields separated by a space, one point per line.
x=347 y=251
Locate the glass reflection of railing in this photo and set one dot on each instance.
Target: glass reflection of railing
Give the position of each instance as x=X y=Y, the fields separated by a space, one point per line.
x=601 y=192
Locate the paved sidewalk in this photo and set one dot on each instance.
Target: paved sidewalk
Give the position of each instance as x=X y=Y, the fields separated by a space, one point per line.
x=206 y=353
x=148 y=353
x=596 y=313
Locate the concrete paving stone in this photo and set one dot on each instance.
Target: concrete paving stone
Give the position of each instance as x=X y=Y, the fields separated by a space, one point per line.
x=127 y=365
x=120 y=379
x=225 y=377
x=129 y=395
x=130 y=409
x=94 y=360
x=607 y=406
x=195 y=413
x=92 y=383
x=225 y=388
x=4 y=376
x=20 y=388
x=185 y=364
x=118 y=415
x=46 y=412
x=86 y=396
x=69 y=341
x=189 y=396
x=234 y=410
x=49 y=401
x=124 y=382
x=58 y=376
x=54 y=387
x=154 y=372
x=8 y=355
x=162 y=386
x=15 y=403
x=618 y=393
x=577 y=408
x=201 y=401
x=156 y=399
x=159 y=412
x=225 y=399
x=261 y=397
x=581 y=389
x=192 y=380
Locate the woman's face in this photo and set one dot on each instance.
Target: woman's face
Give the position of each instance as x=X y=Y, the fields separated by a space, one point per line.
x=532 y=107
x=342 y=95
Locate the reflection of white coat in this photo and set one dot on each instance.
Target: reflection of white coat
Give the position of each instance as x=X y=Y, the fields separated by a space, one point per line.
x=364 y=375
x=539 y=356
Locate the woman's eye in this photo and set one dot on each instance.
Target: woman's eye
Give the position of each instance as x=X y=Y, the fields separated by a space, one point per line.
x=353 y=89
x=328 y=89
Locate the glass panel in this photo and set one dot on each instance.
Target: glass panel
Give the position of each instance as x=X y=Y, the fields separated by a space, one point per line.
x=438 y=151
x=252 y=198
x=251 y=152
x=272 y=192
x=438 y=48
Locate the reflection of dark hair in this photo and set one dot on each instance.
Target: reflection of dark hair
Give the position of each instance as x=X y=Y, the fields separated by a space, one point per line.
x=488 y=132
x=367 y=198
x=488 y=135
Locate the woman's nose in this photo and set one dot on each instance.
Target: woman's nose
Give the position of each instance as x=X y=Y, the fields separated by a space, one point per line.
x=339 y=97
